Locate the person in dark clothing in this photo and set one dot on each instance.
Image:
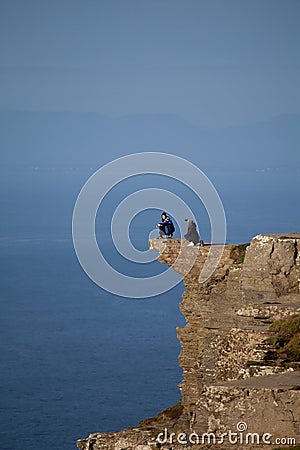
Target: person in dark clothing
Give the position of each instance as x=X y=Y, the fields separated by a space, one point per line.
x=192 y=234
x=166 y=226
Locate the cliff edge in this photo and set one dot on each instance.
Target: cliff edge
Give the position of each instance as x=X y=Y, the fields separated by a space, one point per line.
x=240 y=352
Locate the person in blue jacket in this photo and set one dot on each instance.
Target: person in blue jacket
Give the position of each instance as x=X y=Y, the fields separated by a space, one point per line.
x=166 y=226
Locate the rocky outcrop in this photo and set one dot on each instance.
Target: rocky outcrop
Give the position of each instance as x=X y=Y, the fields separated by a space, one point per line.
x=233 y=381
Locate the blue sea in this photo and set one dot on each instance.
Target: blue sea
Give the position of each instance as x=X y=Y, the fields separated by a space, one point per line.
x=76 y=359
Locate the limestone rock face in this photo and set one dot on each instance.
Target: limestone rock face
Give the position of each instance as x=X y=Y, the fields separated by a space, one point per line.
x=271 y=268
x=229 y=376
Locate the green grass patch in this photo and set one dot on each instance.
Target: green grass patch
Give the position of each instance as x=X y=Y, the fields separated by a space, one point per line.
x=286 y=338
x=174 y=412
x=237 y=253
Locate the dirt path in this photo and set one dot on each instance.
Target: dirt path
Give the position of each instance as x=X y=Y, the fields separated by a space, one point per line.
x=282 y=381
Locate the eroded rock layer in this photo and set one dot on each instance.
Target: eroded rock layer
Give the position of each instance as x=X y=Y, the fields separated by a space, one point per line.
x=232 y=373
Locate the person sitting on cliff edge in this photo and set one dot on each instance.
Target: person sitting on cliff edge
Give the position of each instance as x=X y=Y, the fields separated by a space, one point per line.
x=166 y=226
x=192 y=234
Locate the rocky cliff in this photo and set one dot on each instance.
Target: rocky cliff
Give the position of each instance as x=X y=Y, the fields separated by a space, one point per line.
x=240 y=352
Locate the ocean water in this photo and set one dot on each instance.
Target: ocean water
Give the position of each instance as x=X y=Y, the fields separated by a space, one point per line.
x=76 y=359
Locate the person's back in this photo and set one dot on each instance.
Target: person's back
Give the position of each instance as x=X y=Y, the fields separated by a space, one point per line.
x=192 y=234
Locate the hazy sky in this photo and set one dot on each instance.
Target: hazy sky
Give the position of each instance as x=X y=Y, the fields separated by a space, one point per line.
x=215 y=63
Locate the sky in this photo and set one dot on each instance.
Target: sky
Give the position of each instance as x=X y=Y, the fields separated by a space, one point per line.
x=213 y=63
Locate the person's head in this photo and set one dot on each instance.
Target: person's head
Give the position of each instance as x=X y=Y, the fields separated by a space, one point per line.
x=163 y=216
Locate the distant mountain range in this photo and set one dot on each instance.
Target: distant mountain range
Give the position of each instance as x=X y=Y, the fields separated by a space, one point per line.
x=91 y=139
